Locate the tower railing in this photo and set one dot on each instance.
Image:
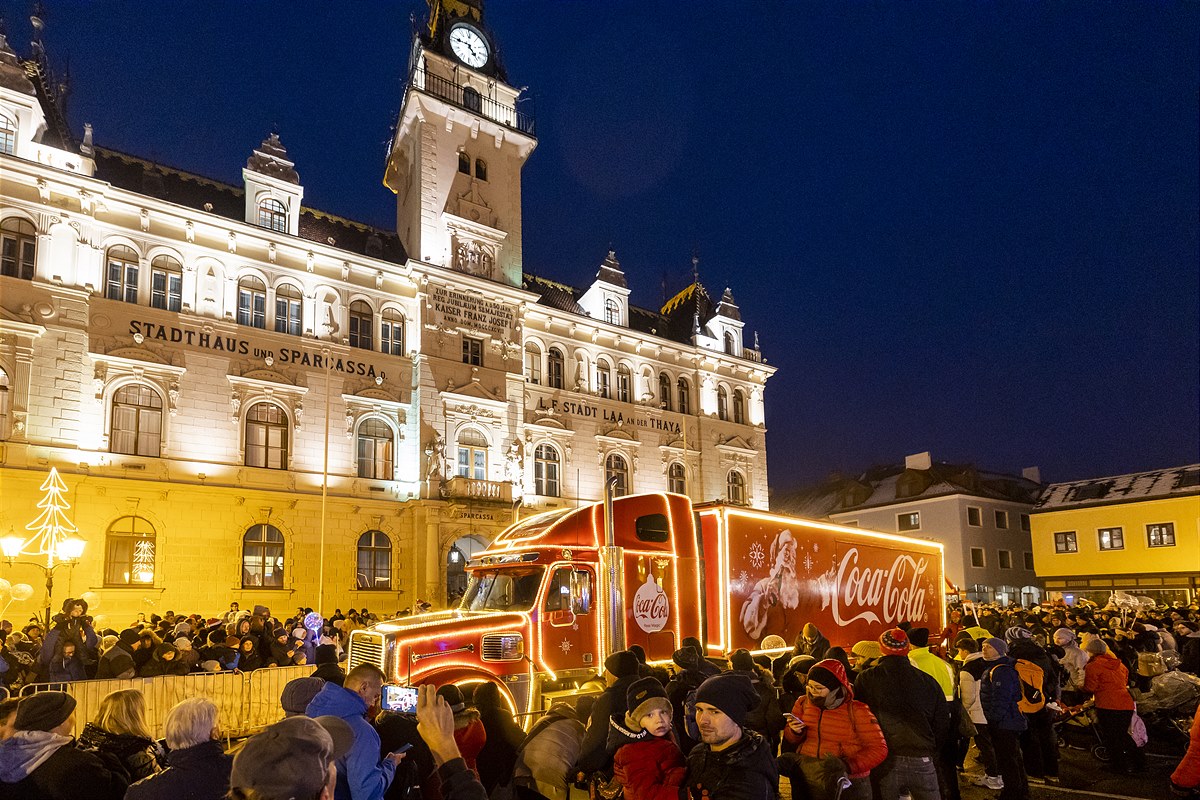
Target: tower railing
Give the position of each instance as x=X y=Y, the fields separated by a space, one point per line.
x=466 y=97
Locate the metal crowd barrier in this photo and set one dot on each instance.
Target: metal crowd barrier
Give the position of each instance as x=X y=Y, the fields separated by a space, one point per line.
x=247 y=701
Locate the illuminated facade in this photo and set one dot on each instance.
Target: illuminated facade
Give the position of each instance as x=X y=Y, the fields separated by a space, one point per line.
x=195 y=357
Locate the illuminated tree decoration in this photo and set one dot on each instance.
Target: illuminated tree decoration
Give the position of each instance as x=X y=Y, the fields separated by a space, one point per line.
x=52 y=526
x=143 y=561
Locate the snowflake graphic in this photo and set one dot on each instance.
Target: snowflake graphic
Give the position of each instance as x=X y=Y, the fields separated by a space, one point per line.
x=808 y=562
x=757 y=556
x=742 y=582
x=566 y=646
x=816 y=547
x=574 y=626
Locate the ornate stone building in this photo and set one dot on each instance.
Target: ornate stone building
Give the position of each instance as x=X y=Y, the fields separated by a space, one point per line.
x=291 y=407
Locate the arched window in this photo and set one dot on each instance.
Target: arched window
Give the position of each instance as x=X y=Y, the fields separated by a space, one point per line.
x=555 y=368
x=272 y=215
x=262 y=558
x=739 y=406
x=545 y=471
x=481 y=169
x=664 y=390
x=361 y=322
x=722 y=403
x=5 y=406
x=603 y=378
x=374 y=561
x=252 y=302
x=472 y=455
x=136 y=421
x=612 y=311
x=616 y=467
x=624 y=380
x=735 y=486
x=729 y=342
x=8 y=135
x=129 y=553
x=676 y=479
x=472 y=100
x=289 y=305
x=391 y=332
x=533 y=364
x=464 y=163
x=375 y=450
x=122 y=272
x=266 y=436
x=166 y=283
x=18 y=248
x=685 y=395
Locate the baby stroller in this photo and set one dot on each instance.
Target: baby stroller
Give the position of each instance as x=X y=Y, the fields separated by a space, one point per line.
x=1077 y=730
x=1169 y=705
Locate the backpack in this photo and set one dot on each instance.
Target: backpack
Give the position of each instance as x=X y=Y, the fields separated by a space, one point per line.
x=1032 y=699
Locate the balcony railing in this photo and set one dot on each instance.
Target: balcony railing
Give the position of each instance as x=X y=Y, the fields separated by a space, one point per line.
x=752 y=354
x=474 y=489
x=468 y=98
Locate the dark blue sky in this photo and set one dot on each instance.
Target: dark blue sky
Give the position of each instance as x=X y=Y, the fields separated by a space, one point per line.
x=969 y=228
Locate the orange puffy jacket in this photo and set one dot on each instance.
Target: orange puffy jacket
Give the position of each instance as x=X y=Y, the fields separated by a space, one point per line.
x=1106 y=677
x=849 y=732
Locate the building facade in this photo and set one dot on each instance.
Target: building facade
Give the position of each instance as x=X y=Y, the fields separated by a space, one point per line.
x=285 y=407
x=982 y=518
x=1137 y=533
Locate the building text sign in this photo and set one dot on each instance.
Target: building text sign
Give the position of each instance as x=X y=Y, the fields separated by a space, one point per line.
x=455 y=308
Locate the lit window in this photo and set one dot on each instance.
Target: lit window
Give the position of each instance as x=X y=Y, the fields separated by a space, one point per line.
x=252 y=302
x=612 y=311
x=545 y=471
x=1111 y=538
x=1160 y=534
x=272 y=215
x=472 y=351
x=266 y=436
x=362 y=320
x=18 y=248
x=685 y=395
x=664 y=390
x=624 y=380
x=677 y=479
x=1002 y=520
x=136 y=421
x=8 y=135
x=262 y=558
x=735 y=485
x=472 y=455
x=289 y=304
x=391 y=332
x=5 y=405
x=533 y=364
x=569 y=590
x=977 y=558
x=374 y=561
x=166 y=283
x=1064 y=542
x=375 y=450
x=555 y=367
x=122 y=272
x=464 y=163
x=722 y=403
x=129 y=553
x=603 y=379
x=909 y=522
x=481 y=169
x=974 y=517
x=1005 y=559
x=739 y=406
x=616 y=467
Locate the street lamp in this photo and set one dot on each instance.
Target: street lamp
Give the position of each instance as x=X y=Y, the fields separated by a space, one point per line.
x=67 y=554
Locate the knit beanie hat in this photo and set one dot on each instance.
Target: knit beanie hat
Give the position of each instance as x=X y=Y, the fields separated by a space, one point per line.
x=686 y=657
x=1064 y=637
x=999 y=645
x=829 y=673
x=810 y=632
x=1096 y=647
x=868 y=648
x=742 y=661
x=453 y=697
x=298 y=693
x=639 y=652
x=730 y=692
x=1017 y=633
x=894 y=642
x=44 y=711
x=642 y=697
x=622 y=664
x=918 y=637
x=326 y=654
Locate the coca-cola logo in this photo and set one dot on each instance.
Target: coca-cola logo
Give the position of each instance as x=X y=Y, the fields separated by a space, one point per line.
x=889 y=595
x=650 y=607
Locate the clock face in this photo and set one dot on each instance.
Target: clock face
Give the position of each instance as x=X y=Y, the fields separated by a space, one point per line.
x=469 y=45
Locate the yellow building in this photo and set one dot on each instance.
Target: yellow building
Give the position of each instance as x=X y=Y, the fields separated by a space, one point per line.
x=1135 y=533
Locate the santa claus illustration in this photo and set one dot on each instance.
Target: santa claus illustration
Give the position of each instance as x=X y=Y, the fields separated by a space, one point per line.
x=776 y=594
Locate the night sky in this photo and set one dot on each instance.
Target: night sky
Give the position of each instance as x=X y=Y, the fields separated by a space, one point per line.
x=969 y=228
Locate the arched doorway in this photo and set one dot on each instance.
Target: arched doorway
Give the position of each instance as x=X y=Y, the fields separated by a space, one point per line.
x=462 y=551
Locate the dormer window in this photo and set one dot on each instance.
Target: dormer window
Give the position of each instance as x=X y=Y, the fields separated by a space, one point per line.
x=729 y=343
x=8 y=135
x=272 y=215
x=481 y=169
x=464 y=163
x=612 y=311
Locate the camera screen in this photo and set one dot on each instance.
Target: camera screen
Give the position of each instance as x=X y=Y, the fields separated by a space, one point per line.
x=400 y=698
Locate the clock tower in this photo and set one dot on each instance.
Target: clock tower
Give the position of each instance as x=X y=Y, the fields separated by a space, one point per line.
x=460 y=143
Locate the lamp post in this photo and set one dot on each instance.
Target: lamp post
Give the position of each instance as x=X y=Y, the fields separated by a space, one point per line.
x=66 y=555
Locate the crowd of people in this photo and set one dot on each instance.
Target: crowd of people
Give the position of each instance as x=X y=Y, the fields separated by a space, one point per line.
x=914 y=713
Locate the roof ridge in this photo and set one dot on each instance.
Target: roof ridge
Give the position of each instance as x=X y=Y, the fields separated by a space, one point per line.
x=1125 y=475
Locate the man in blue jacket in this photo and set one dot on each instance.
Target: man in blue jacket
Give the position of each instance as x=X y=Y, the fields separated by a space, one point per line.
x=1000 y=694
x=361 y=774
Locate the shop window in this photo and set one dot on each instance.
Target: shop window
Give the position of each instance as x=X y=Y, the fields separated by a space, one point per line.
x=1065 y=542
x=391 y=332
x=136 y=421
x=252 y=302
x=910 y=521
x=130 y=553
x=266 y=436
x=362 y=323
x=121 y=269
x=166 y=283
x=545 y=471
x=262 y=558
x=374 y=561
x=472 y=455
x=615 y=466
x=272 y=215
x=289 y=309
x=18 y=248
x=375 y=450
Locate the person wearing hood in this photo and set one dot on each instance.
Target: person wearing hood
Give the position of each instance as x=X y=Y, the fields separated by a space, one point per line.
x=811 y=642
x=72 y=625
x=218 y=655
x=41 y=762
x=827 y=720
x=730 y=761
x=705 y=666
x=164 y=660
x=1107 y=679
x=328 y=668
x=1000 y=693
x=648 y=763
x=1073 y=660
x=620 y=671
x=248 y=657
x=118 y=662
x=283 y=649
x=120 y=730
x=66 y=665
x=1039 y=740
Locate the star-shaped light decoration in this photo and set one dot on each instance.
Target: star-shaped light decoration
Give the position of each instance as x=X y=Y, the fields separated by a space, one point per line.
x=566 y=646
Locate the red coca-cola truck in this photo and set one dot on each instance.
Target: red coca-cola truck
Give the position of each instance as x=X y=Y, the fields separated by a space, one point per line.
x=555 y=593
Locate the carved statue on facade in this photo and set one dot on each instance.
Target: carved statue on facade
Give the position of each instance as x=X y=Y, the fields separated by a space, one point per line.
x=436 y=456
x=473 y=258
x=514 y=465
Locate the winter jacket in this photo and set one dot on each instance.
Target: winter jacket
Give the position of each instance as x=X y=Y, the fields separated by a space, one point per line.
x=1187 y=774
x=200 y=772
x=69 y=629
x=1031 y=651
x=251 y=660
x=650 y=769
x=935 y=667
x=458 y=782
x=1073 y=660
x=361 y=774
x=816 y=649
x=138 y=756
x=849 y=731
x=746 y=770
x=224 y=655
x=679 y=687
x=117 y=663
x=160 y=665
x=969 y=678
x=470 y=739
x=548 y=753
x=65 y=669
x=767 y=718
x=908 y=704
x=1000 y=691
x=36 y=765
x=611 y=703
x=499 y=751
x=1189 y=653
x=1108 y=680
x=330 y=673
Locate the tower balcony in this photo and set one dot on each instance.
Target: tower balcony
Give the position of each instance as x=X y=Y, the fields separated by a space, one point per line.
x=469 y=99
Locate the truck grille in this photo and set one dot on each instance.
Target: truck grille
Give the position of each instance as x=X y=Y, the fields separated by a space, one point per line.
x=502 y=647
x=366 y=648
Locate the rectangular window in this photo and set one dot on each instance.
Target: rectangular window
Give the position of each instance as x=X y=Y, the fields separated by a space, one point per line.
x=974 y=517
x=1111 y=538
x=1160 y=534
x=472 y=351
x=166 y=290
x=977 y=559
x=1002 y=520
x=1029 y=561
x=1064 y=542
x=1005 y=559
x=909 y=522
x=1025 y=523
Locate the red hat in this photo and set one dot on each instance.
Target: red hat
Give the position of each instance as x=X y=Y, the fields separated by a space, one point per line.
x=831 y=674
x=894 y=642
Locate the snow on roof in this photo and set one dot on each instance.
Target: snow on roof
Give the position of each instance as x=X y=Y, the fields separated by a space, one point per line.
x=1179 y=481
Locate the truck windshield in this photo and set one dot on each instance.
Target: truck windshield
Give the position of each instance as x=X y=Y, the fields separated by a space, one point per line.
x=503 y=590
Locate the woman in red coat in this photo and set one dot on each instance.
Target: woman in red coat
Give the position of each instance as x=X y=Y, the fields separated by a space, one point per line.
x=469 y=733
x=1186 y=776
x=827 y=720
x=1107 y=679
